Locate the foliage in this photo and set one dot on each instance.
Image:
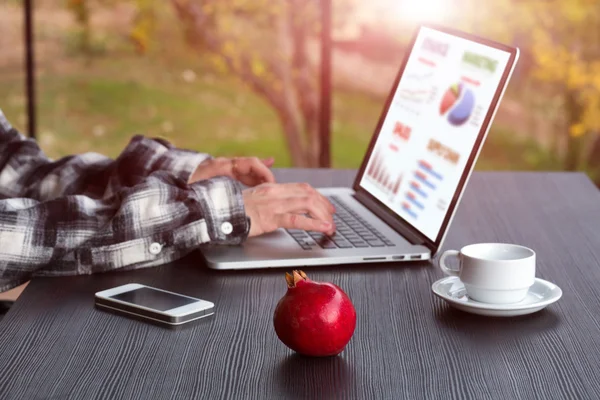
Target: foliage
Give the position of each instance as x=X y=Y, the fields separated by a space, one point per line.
x=81 y=12
x=264 y=43
x=78 y=113
x=82 y=40
x=560 y=59
x=143 y=25
x=567 y=56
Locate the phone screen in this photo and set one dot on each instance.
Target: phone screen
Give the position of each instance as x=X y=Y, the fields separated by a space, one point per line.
x=154 y=299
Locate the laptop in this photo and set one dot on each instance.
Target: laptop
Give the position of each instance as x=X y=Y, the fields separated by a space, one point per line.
x=418 y=162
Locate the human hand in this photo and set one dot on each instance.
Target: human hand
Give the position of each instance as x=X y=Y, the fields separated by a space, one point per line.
x=273 y=206
x=251 y=171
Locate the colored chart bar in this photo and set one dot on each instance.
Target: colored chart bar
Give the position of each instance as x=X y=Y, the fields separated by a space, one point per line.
x=397 y=185
x=378 y=172
x=423 y=179
x=406 y=207
x=372 y=168
x=425 y=166
x=411 y=198
x=417 y=189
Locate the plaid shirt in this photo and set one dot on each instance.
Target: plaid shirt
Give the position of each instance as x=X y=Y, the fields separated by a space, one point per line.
x=88 y=213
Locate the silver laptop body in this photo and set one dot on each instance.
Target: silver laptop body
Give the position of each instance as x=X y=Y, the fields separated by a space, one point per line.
x=416 y=167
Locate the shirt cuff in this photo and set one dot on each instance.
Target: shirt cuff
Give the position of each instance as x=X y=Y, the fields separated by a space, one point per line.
x=182 y=163
x=224 y=212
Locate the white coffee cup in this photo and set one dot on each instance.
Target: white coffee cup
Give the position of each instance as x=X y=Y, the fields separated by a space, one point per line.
x=497 y=273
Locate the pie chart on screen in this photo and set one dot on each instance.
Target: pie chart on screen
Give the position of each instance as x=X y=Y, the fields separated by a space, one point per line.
x=457 y=104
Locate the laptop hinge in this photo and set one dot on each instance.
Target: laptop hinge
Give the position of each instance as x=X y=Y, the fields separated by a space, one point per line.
x=388 y=219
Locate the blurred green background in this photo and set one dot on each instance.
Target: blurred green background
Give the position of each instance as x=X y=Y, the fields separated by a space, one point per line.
x=108 y=69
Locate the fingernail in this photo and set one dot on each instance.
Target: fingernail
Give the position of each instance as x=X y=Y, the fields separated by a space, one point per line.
x=326 y=225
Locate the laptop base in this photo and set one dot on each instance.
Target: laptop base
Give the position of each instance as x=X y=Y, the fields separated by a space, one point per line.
x=279 y=249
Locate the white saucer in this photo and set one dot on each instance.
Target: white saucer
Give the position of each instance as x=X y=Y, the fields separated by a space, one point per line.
x=541 y=294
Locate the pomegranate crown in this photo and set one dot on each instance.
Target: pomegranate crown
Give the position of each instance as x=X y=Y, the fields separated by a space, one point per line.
x=295 y=277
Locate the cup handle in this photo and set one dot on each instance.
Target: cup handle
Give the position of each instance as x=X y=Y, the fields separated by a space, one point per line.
x=444 y=267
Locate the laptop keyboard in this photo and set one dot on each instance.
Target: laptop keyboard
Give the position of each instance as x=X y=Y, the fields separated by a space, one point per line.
x=352 y=232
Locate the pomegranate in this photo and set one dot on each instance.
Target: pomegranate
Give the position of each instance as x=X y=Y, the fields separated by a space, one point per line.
x=314 y=318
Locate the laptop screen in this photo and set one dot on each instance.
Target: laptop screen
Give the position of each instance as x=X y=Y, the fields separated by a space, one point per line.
x=432 y=125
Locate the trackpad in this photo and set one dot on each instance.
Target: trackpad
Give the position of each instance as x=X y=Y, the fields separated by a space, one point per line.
x=270 y=238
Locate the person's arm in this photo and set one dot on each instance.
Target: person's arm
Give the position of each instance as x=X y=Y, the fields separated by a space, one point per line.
x=155 y=222
x=25 y=171
x=147 y=221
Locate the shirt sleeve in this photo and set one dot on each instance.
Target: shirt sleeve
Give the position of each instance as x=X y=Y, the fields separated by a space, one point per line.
x=157 y=221
x=25 y=171
x=87 y=214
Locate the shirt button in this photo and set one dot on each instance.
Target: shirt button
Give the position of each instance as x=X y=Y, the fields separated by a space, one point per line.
x=155 y=248
x=226 y=228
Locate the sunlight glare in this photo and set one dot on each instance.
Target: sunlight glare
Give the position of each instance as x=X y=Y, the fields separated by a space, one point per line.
x=421 y=10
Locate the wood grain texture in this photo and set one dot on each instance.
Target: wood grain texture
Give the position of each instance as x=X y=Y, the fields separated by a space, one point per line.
x=408 y=344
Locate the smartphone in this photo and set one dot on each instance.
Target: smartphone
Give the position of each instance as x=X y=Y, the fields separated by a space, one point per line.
x=152 y=304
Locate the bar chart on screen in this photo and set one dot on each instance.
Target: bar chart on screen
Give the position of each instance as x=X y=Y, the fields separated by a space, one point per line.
x=379 y=174
x=423 y=185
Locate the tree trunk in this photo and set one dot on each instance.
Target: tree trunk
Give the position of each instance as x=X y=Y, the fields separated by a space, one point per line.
x=304 y=77
x=314 y=145
x=293 y=132
x=594 y=159
x=289 y=87
x=575 y=144
x=292 y=110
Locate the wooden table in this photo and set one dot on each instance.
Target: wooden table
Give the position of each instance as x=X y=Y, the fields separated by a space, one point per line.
x=407 y=344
